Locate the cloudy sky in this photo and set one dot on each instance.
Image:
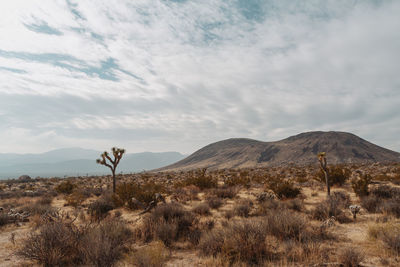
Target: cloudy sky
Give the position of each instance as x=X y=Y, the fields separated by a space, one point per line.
x=166 y=75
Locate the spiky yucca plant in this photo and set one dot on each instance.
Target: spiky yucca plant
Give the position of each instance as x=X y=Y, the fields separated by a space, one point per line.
x=111 y=163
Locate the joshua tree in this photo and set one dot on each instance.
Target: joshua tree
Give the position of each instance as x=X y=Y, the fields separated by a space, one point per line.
x=322 y=164
x=106 y=160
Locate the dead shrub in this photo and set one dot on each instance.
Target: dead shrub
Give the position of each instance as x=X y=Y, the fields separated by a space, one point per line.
x=391 y=207
x=153 y=255
x=391 y=240
x=202 y=209
x=225 y=192
x=215 y=202
x=382 y=191
x=45 y=200
x=243 y=208
x=169 y=223
x=62 y=243
x=39 y=209
x=55 y=244
x=295 y=204
x=104 y=244
x=328 y=208
x=371 y=203
x=100 y=208
x=5 y=219
x=350 y=257
x=269 y=205
x=243 y=241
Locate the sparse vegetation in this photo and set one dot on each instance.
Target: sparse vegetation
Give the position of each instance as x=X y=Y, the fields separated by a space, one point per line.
x=229 y=222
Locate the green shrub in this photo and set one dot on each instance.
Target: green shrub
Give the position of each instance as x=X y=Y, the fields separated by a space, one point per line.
x=200 y=179
x=360 y=184
x=337 y=175
x=242 y=179
x=283 y=188
x=65 y=187
x=144 y=193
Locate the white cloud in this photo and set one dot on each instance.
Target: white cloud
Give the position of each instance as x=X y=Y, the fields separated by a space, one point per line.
x=185 y=74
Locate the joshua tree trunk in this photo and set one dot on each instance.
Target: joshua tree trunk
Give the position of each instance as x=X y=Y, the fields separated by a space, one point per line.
x=322 y=163
x=113 y=177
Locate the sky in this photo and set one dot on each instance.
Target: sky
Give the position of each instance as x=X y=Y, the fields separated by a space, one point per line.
x=166 y=75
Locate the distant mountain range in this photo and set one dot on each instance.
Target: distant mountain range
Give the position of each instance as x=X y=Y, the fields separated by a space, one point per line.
x=78 y=161
x=301 y=149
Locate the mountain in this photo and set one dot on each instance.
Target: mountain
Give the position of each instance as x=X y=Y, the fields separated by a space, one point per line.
x=78 y=161
x=301 y=149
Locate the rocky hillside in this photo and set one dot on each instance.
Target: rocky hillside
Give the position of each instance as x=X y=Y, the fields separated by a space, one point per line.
x=301 y=149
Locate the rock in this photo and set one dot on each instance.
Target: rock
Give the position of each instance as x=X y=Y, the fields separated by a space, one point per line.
x=24 y=178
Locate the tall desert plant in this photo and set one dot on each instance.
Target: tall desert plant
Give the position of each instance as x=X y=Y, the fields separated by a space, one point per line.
x=111 y=163
x=324 y=168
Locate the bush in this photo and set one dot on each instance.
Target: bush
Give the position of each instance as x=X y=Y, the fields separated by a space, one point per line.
x=371 y=203
x=383 y=191
x=238 y=242
x=388 y=233
x=75 y=199
x=350 y=257
x=5 y=219
x=144 y=193
x=391 y=240
x=242 y=209
x=64 y=244
x=39 y=209
x=104 y=244
x=201 y=209
x=65 y=187
x=328 y=208
x=56 y=244
x=225 y=192
x=200 y=179
x=45 y=200
x=391 y=207
x=100 y=208
x=337 y=175
x=283 y=188
x=360 y=185
x=238 y=180
x=214 y=202
x=168 y=223
x=154 y=255
x=295 y=204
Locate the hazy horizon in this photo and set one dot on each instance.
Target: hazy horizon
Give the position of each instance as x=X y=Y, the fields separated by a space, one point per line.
x=169 y=75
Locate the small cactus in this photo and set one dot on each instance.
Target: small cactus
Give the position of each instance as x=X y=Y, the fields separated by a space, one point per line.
x=354 y=210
